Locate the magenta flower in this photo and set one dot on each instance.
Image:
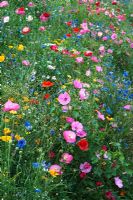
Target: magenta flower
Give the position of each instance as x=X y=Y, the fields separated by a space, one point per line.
x=69 y=120
x=118 y=182
x=64 y=98
x=81 y=134
x=77 y=126
x=79 y=60
x=77 y=84
x=42 y=28
x=110 y=51
x=9 y=106
x=114 y=36
x=99 y=69
x=83 y=94
x=4 y=4
x=31 y=4
x=94 y=59
x=25 y=62
x=66 y=158
x=85 y=167
x=20 y=11
x=127 y=107
x=100 y=115
x=69 y=136
x=56 y=168
x=131 y=45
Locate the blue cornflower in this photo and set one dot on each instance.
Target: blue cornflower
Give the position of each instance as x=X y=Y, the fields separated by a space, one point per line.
x=35 y=165
x=28 y=126
x=46 y=165
x=21 y=143
x=109 y=111
x=37 y=190
x=125 y=73
x=52 y=132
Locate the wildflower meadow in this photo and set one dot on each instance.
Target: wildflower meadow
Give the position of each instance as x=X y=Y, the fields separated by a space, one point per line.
x=66 y=100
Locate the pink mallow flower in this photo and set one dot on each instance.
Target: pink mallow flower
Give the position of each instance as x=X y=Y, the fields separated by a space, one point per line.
x=56 y=169
x=77 y=126
x=64 y=98
x=94 y=59
x=83 y=94
x=85 y=167
x=79 y=60
x=42 y=28
x=66 y=158
x=9 y=106
x=99 y=69
x=114 y=36
x=100 y=115
x=77 y=84
x=26 y=62
x=69 y=136
x=4 y=4
x=31 y=4
x=127 y=107
x=118 y=182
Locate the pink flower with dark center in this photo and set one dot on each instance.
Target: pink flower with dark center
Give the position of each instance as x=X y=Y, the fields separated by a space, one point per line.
x=66 y=158
x=114 y=36
x=64 y=98
x=118 y=182
x=77 y=126
x=9 y=106
x=26 y=62
x=85 y=167
x=69 y=136
x=77 y=84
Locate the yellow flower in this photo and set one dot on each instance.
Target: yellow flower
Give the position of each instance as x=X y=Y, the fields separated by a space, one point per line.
x=48 y=103
x=25 y=107
x=6 y=120
x=94 y=80
x=10 y=46
x=13 y=112
x=18 y=137
x=109 y=118
x=96 y=99
x=35 y=93
x=19 y=116
x=25 y=99
x=6 y=131
x=63 y=86
x=20 y=47
x=2 y=58
x=11 y=99
x=6 y=138
x=53 y=173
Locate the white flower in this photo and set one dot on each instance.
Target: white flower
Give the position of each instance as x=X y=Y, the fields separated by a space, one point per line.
x=53 y=78
x=6 y=19
x=29 y=18
x=51 y=67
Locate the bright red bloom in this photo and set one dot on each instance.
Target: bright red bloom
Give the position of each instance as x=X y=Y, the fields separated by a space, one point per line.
x=46 y=96
x=88 y=53
x=76 y=30
x=26 y=30
x=68 y=35
x=83 y=144
x=69 y=23
x=47 y=84
x=114 y=3
x=46 y=14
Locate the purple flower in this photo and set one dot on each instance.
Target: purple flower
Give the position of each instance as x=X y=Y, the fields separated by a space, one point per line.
x=77 y=126
x=118 y=182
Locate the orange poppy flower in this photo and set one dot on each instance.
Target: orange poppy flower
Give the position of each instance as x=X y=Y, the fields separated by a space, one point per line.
x=47 y=84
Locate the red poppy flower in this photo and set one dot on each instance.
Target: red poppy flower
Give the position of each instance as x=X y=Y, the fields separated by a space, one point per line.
x=76 y=30
x=104 y=148
x=114 y=3
x=46 y=96
x=88 y=53
x=47 y=84
x=68 y=35
x=69 y=23
x=83 y=144
x=21 y=9
x=65 y=51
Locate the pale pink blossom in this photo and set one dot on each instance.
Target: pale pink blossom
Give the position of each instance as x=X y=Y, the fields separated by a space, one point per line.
x=4 y=4
x=88 y=72
x=94 y=59
x=69 y=136
x=31 y=4
x=110 y=51
x=99 y=69
x=114 y=36
x=118 y=182
x=79 y=60
x=69 y=120
x=100 y=115
x=26 y=62
x=42 y=28
x=131 y=45
x=83 y=94
x=9 y=106
x=127 y=107
x=56 y=168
